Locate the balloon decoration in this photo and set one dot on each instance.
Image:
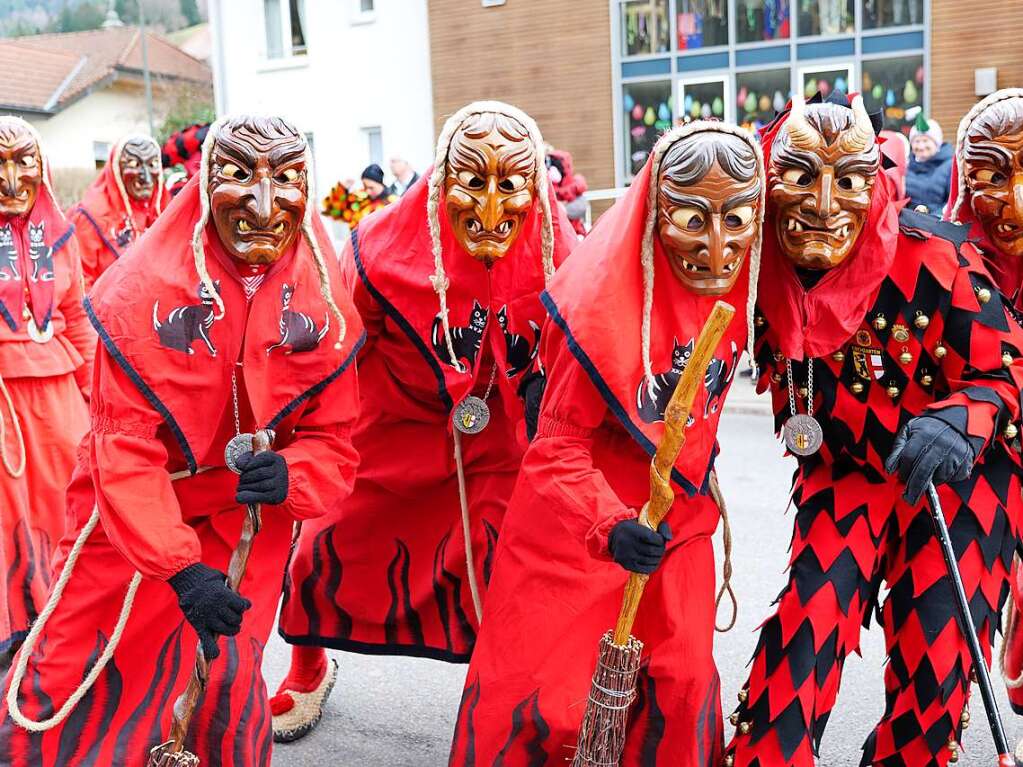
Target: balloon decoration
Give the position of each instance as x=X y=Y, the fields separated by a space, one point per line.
x=637 y=112
x=841 y=84
x=810 y=88
x=628 y=102
x=650 y=117
x=868 y=82
x=910 y=93
x=878 y=92
x=779 y=101
x=765 y=104
x=717 y=107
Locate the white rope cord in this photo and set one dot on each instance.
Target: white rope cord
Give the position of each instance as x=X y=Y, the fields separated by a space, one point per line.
x=18 y=675
x=647 y=246
x=463 y=500
x=15 y=473
x=726 y=565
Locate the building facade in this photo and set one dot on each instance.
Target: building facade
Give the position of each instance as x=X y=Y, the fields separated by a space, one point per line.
x=354 y=75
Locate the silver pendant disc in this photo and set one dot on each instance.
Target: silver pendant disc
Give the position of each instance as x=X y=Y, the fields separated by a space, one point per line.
x=471 y=415
x=240 y=443
x=803 y=435
x=37 y=335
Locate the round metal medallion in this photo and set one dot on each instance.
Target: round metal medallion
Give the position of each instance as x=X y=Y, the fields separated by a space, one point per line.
x=37 y=335
x=803 y=435
x=241 y=443
x=471 y=415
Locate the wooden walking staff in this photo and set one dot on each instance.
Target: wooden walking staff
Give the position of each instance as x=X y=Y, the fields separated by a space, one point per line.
x=613 y=689
x=172 y=753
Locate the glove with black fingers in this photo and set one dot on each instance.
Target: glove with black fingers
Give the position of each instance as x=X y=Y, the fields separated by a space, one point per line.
x=928 y=449
x=636 y=547
x=264 y=478
x=531 y=390
x=208 y=604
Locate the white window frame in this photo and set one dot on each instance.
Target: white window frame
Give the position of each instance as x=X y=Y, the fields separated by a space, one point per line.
x=289 y=56
x=825 y=65
x=367 y=131
x=723 y=77
x=359 y=16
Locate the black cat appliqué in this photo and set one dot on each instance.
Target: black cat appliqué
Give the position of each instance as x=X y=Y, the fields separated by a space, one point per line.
x=652 y=410
x=465 y=339
x=186 y=324
x=40 y=253
x=298 y=330
x=8 y=255
x=520 y=351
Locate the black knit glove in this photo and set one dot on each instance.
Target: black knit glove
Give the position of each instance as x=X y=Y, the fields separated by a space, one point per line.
x=928 y=449
x=636 y=547
x=264 y=478
x=208 y=604
x=531 y=390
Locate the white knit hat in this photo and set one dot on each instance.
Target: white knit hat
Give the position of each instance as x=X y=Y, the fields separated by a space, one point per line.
x=932 y=130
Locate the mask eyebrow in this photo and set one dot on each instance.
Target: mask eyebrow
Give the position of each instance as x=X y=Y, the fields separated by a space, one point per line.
x=991 y=152
x=237 y=151
x=518 y=160
x=790 y=157
x=685 y=200
x=856 y=163
x=749 y=196
x=281 y=155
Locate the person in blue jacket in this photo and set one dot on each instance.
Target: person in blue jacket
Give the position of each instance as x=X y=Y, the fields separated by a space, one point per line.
x=930 y=166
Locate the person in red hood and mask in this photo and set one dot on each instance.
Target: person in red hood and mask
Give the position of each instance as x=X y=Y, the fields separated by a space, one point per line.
x=569 y=187
x=625 y=311
x=447 y=280
x=46 y=351
x=181 y=155
x=892 y=362
x=120 y=204
x=243 y=327
x=987 y=197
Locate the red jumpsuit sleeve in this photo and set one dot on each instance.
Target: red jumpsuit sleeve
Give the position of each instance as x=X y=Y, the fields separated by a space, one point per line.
x=572 y=411
x=78 y=330
x=985 y=390
x=370 y=311
x=137 y=505
x=321 y=459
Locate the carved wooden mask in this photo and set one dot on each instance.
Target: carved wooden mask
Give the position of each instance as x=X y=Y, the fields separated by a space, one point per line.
x=21 y=170
x=140 y=165
x=994 y=173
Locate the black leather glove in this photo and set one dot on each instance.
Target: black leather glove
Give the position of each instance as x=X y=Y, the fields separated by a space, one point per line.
x=264 y=478
x=208 y=604
x=928 y=449
x=636 y=547
x=531 y=390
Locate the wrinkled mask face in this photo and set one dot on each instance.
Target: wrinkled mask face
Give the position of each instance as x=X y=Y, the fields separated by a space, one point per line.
x=823 y=168
x=258 y=188
x=994 y=174
x=21 y=170
x=490 y=184
x=708 y=217
x=140 y=166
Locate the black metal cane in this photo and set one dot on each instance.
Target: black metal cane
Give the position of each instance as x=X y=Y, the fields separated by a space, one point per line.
x=965 y=621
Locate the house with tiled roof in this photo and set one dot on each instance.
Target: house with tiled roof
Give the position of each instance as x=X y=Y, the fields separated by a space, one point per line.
x=84 y=90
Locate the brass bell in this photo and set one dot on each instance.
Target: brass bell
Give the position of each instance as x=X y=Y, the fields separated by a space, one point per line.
x=954 y=756
x=734 y=718
x=965 y=718
x=729 y=760
x=880 y=323
x=893 y=391
x=838 y=356
x=922 y=321
x=1011 y=431
x=1006 y=359
x=26 y=313
x=983 y=295
x=745 y=727
x=926 y=380
x=803 y=392
x=856 y=387
x=743 y=695
x=758 y=321
x=940 y=351
x=905 y=358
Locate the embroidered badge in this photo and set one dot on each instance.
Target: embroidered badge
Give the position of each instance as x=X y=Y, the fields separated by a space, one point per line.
x=520 y=351
x=187 y=324
x=465 y=339
x=298 y=330
x=900 y=333
x=868 y=362
x=40 y=253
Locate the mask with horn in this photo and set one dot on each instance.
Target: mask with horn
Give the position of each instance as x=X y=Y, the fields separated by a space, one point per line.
x=823 y=166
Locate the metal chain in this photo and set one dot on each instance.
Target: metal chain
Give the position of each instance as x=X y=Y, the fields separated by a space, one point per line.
x=234 y=399
x=493 y=377
x=792 y=387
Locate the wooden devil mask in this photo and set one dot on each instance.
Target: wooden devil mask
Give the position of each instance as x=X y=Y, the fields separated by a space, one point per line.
x=258 y=190
x=709 y=189
x=823 y=166
x=490 y=183
x=140 y=166
x=993 y=167
x=21 y=168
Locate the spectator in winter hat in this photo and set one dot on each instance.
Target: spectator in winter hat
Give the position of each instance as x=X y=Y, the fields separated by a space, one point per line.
x=930 y=168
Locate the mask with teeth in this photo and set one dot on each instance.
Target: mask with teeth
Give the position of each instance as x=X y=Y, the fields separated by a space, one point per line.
x=823 y=166
x=708 y=195
x=257 y=187
x=140 y=166
x=20 y=170
x=490 y=184
x=993 y=164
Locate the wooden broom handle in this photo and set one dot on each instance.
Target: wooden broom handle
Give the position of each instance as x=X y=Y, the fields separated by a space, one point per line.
x=185 y=705
x=676 y=414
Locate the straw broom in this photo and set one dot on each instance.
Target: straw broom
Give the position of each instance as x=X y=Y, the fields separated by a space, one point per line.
x=613 y=689
x=172 y=752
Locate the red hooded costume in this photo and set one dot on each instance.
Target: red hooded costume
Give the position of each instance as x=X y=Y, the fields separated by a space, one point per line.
x=43 y=413
x=907 y=323
x=108 y=220
x=555 y=588
x=153 y=467
x=384 y=572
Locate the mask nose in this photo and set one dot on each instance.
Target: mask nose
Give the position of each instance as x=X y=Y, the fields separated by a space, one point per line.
x=1017 y=196
x=825 y=199
x=146 y=175
x=264 y=203
x=9 y=179
x=492 y=211
x=715 y=250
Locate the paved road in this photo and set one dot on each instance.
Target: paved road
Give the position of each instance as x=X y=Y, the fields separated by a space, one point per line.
x=400 y=712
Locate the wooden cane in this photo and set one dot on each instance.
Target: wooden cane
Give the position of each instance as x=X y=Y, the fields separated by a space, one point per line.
x=172 y=752
x=676 y=414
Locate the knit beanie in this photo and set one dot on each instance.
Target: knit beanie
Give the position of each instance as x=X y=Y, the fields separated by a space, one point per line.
x=929 y=128
x=374 y=173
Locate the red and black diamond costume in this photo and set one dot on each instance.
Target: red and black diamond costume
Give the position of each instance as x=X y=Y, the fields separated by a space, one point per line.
x=909 y=323
x=385 y=571
x=108 y=220
x=555 y=588
x=154 y=468
x=46 y=350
